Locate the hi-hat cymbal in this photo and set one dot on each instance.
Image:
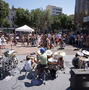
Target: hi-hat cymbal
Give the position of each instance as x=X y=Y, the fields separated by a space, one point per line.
x=62 y=53
x=48 y=52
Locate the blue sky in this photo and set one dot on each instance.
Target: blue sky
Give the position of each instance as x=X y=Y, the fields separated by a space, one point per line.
x=68 y=6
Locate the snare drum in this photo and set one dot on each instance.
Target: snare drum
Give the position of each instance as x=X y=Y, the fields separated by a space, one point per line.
x=49 y=53
x=79 y=54
x=52 y=61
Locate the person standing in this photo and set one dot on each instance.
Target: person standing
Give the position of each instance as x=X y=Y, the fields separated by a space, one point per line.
x=37 y=43
x=22 y=39
x=87 y=41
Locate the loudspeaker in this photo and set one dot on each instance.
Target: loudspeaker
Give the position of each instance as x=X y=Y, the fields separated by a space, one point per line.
x=79 y=79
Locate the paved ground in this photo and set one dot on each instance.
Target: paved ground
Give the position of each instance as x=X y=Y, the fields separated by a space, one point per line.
x=19 y=82
x=21 y=50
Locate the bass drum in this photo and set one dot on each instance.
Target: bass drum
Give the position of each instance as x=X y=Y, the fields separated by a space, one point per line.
x=8 y=63
x=53 y=67
x=75 y=62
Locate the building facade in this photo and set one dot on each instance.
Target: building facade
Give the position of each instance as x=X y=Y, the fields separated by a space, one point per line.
x=53 y=10
x=11 y=16
x=72 y=15
x=82 y=14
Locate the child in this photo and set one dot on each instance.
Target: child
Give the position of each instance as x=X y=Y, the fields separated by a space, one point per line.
x=28 y=66
x=29 y=63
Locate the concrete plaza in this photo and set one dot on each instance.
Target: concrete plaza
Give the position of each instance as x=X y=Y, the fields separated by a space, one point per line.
x=20 y=82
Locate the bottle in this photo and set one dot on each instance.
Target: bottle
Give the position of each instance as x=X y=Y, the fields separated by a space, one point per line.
x=86 y=66
x=1 y=75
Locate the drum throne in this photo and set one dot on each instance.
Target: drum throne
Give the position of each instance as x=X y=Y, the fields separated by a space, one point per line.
x=44 y=73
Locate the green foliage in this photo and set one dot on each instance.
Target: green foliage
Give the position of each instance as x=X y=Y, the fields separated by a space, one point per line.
x=22 y=17
x=62 y=21
x=37 y=18
x=4 y=9
x=6 y=23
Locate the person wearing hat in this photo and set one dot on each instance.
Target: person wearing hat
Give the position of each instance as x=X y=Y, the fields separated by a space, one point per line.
x=41 y=60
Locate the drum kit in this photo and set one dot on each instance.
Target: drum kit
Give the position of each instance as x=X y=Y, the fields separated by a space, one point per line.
x=9 y=60
x=80 y=59
x=53 y=58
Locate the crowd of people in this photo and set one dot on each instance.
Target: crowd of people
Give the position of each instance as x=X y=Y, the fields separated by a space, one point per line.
x=48 y=41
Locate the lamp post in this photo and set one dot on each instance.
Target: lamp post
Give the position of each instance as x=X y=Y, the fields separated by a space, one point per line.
x=13 y=24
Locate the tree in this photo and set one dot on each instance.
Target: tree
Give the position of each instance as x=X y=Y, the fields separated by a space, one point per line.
x=22 y=17
x=70 y=23
x=59 y=21
x=40 y=18
x=56 y=23
x=62 y=21
x=6 y=23
x=4 y=10
x=37 y=18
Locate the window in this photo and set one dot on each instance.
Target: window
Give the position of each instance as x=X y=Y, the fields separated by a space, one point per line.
x=53 y=8
x=57 y=12
x=58 y=9
x=53 y=12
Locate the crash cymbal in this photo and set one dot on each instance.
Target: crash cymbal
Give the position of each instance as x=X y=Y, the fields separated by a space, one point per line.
x=62 y=53
x=48 y=52
x=85 y=52
x=57 y=56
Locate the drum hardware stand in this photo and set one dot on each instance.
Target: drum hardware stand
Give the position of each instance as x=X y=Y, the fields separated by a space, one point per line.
x=14 y=68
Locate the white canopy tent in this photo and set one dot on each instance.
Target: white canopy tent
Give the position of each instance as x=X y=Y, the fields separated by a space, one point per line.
x=24 y=28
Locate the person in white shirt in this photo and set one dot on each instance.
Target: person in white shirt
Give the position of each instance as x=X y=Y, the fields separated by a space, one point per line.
x=3 y=42
x=49 y=35
x=59 y=36
x=28 y=66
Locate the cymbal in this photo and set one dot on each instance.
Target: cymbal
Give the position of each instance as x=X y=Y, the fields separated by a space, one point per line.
x=62 y=53
x=85 y=52
x=57 y=56
x=48 y=52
